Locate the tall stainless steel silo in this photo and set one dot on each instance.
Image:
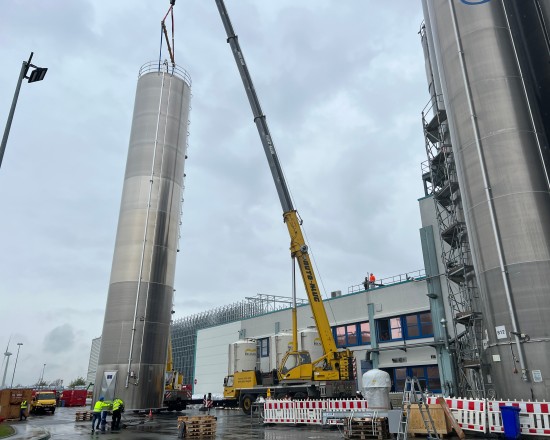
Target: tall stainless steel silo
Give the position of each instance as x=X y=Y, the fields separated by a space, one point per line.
x=136 y=329
x=500 y=146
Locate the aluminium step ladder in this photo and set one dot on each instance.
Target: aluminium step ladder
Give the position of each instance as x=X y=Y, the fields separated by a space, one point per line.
x=413 y=394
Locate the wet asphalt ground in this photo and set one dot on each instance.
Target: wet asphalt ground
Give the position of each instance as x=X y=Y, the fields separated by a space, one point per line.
x=231 y=424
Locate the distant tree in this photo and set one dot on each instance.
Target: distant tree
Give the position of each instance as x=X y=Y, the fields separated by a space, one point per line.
x=77 y=382
x=41 y=383
x=57 y=383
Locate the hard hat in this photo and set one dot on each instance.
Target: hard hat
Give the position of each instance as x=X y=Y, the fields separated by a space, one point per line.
x=102 y=398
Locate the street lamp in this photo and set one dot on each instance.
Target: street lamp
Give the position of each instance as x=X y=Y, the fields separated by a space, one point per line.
x=37 y=74
x=19 y=344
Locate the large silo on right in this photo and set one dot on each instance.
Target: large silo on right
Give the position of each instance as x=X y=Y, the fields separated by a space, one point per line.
x=494 y=90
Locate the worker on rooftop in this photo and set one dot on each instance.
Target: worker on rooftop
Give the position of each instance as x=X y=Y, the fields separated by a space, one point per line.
x=372 y=280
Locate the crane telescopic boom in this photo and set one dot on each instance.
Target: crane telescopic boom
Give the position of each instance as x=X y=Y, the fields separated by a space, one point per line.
x=298 y=248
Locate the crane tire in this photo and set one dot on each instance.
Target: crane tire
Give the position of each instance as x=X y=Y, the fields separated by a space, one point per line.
x=246 y=403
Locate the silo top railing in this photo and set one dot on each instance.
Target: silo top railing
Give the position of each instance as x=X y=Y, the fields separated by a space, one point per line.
x=156 y=67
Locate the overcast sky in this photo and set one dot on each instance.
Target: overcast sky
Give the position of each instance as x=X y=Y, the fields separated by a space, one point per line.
x=342 y=83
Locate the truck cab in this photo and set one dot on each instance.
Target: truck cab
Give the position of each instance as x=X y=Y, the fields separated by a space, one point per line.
x=43 y=401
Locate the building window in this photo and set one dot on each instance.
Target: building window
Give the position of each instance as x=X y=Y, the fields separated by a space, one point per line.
x=341 y=336
x=426 y=323
x=264 y=347
x=414 y=326
x=418 y=325
x=389 y=329
x=427 y=375
x=352 y=334
x=364 y=328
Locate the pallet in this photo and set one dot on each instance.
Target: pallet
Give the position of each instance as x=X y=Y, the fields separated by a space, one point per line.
x=198 y=426
x=367 y=428
x=82 y=416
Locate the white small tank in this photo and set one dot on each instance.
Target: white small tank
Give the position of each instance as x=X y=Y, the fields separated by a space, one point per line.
x=282 y=342
x=310 y=341
x=376 y=389
x=242 y=356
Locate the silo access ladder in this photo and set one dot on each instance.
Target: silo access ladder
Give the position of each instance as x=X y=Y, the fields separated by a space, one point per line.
x=413 y=394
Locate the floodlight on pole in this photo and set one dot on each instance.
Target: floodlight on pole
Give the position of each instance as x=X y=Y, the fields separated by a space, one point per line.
x=37 y=74
x=19 y=344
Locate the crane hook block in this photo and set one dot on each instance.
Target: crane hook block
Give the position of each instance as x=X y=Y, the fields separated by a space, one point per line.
x=172 y=2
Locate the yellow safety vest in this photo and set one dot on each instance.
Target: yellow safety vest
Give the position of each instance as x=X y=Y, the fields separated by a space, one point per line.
x=117 y=403
x=24 y=404
x=98 y=407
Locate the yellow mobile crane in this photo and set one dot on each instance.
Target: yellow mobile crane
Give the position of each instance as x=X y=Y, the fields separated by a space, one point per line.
x=298 y=376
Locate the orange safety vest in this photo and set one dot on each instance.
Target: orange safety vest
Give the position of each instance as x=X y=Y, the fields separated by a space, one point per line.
x=372 y=278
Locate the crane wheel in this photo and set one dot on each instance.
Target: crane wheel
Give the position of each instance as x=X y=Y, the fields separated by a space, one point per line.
x=246 y=404
x=300 y=396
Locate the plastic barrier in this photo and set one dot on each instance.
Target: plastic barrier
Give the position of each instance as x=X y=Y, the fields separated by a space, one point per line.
x=310 y=411
x=534 y=417
x=346 y=405
x=280 y=411
x=469 y=413
x=307 y=411
x=478 y=415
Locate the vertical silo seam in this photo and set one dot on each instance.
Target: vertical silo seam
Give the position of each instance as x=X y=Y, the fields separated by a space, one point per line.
x=488 y=194
x=144 y=242
x=527 y=97
x=158 y=208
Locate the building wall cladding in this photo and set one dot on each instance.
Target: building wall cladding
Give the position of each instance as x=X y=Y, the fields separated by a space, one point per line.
x=501 y=151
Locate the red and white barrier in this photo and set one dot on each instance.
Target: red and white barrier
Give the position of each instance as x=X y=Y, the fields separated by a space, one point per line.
x=280 y=411
x=307 y=411
x=347 y=405
x=310 y=411
x=479 y=415
x=534 y=417
x=469 y=413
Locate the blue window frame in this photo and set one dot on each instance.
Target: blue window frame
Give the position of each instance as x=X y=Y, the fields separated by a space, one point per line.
x=397 y=328
x=427 y=375
x=263 y=345
x=350 y=335
x=418 y=325
x=389 y=329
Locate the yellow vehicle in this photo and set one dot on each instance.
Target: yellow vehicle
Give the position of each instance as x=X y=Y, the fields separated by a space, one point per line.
x=299 y=376
x=177 y=395
x=43 y=401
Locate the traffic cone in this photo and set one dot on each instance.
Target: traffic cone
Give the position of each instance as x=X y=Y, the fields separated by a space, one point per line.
x=151 y=413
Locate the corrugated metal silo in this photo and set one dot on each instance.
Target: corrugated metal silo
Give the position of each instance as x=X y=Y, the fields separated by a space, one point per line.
x=501 y=148
x=136 y=329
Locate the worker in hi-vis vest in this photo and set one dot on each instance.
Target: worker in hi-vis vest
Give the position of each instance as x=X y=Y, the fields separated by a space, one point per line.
x=23 y=410
x=98 y=407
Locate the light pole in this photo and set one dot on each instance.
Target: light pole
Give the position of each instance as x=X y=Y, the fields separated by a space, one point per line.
x=19 y=344
x=37 y=74
x=7 y=355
